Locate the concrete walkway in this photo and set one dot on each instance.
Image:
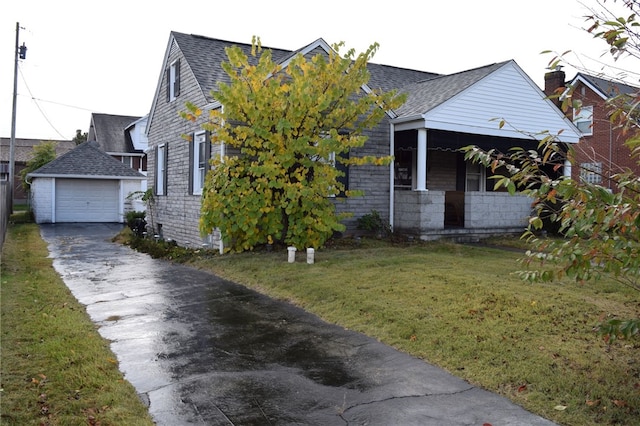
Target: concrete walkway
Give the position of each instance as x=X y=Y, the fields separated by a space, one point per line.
x=201 y=350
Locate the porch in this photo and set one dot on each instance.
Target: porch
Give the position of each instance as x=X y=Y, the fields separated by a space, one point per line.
x=436 y=214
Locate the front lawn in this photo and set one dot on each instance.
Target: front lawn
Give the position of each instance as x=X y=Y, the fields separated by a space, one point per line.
x=461 y=308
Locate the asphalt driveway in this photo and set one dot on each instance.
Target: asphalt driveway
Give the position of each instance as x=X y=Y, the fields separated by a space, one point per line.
x=205 y=351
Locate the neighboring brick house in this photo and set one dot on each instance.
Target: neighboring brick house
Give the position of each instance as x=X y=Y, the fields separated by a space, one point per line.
x=23 y=153
x=601 y=152
x=429 y=190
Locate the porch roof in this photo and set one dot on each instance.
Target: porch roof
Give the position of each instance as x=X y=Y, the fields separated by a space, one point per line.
x=494 y=100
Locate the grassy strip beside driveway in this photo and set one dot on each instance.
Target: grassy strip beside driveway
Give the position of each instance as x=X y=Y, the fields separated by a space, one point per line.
x=56 y=368
x=460 y=308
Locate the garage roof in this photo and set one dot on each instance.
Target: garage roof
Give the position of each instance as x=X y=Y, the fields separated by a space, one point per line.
x=89 y=162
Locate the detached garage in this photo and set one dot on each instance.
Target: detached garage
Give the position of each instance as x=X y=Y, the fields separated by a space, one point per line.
x=83 y=185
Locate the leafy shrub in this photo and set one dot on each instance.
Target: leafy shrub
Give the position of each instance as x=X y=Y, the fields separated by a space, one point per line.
x=374 y=222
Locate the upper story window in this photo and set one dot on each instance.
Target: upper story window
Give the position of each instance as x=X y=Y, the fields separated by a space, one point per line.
x=583 y=119
x=173 y=81
x=200 y=153
x=161 y=170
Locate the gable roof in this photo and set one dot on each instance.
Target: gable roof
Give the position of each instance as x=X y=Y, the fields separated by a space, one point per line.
x=603 y=87
x=426 y=95
x=108 y=130
x=477 y=101
x=204 y=56
x=87 y=160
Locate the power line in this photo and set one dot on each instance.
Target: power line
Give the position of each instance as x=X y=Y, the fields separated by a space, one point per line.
x=61 y=104
x=38 y=105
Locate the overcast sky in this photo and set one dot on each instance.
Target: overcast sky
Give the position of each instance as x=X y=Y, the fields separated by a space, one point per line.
x=105 y=57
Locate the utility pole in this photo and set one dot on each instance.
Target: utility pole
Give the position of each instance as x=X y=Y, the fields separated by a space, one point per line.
x=19 y=53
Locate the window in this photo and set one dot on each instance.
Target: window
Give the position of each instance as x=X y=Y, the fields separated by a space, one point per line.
x=475 y=177
x=404 y=168
x=173 y=81
x=583 y=119
x=127 y=161
x=340 y=166
x=591 y=172
x=161 y=170
x=199 y=154
x=344 y=168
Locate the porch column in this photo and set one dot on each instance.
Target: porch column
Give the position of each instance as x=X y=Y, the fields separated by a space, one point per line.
x=421 y=182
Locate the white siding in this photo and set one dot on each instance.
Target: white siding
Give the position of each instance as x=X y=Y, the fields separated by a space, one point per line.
x=86 y=200
x=42 y=190
x=507 y=94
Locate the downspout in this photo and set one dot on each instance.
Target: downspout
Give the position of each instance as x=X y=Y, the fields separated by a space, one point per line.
x=391 y=174
x=610 y=156
x=221 y=243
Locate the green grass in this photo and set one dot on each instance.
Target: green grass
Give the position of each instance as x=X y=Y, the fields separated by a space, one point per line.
x=461 y=308
x=56 y=369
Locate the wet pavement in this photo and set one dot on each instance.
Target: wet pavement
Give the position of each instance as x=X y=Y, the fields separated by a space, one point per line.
x=201 y=350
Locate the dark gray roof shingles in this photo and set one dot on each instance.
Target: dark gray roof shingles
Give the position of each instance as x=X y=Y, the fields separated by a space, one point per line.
x=108 y=131
x=205 y=55
x=87 y=159
x=608 y=87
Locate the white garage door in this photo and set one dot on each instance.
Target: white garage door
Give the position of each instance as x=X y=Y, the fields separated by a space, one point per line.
x=86 y=200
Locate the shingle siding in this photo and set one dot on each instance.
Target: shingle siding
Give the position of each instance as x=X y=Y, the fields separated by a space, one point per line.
x=373 y=180
x=178 y=212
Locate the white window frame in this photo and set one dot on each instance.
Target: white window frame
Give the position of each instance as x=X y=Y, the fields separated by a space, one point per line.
x=583 y=119
x=160 y=169
x=173 y=73
x=199 y=163
x=127 y=160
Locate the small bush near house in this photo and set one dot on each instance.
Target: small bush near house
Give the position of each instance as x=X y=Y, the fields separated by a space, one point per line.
x=375 y=223
x=161 y=249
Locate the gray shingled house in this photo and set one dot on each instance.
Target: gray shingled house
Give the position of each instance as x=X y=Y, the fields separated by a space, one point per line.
x=429 y=190
x=84 y=185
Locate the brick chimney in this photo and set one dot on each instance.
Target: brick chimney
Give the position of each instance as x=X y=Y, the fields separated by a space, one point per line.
x=553 y=80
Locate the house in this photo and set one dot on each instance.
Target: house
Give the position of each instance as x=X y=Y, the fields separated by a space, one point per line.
x=601 y=152
x=84 y=185
x=122 y=137
x=429 y=190
x=23 y=152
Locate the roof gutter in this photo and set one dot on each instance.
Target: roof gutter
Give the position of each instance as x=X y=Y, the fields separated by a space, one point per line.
x=75 y=176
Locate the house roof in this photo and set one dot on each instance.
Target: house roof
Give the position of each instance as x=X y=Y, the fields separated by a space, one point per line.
x=387 y=77
x=425 y=95
x=605 y=88
x=87 y=160
x=205 y=55
x=108 y=130
x=494 y=100
x=426 y=91
x=24 y=148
